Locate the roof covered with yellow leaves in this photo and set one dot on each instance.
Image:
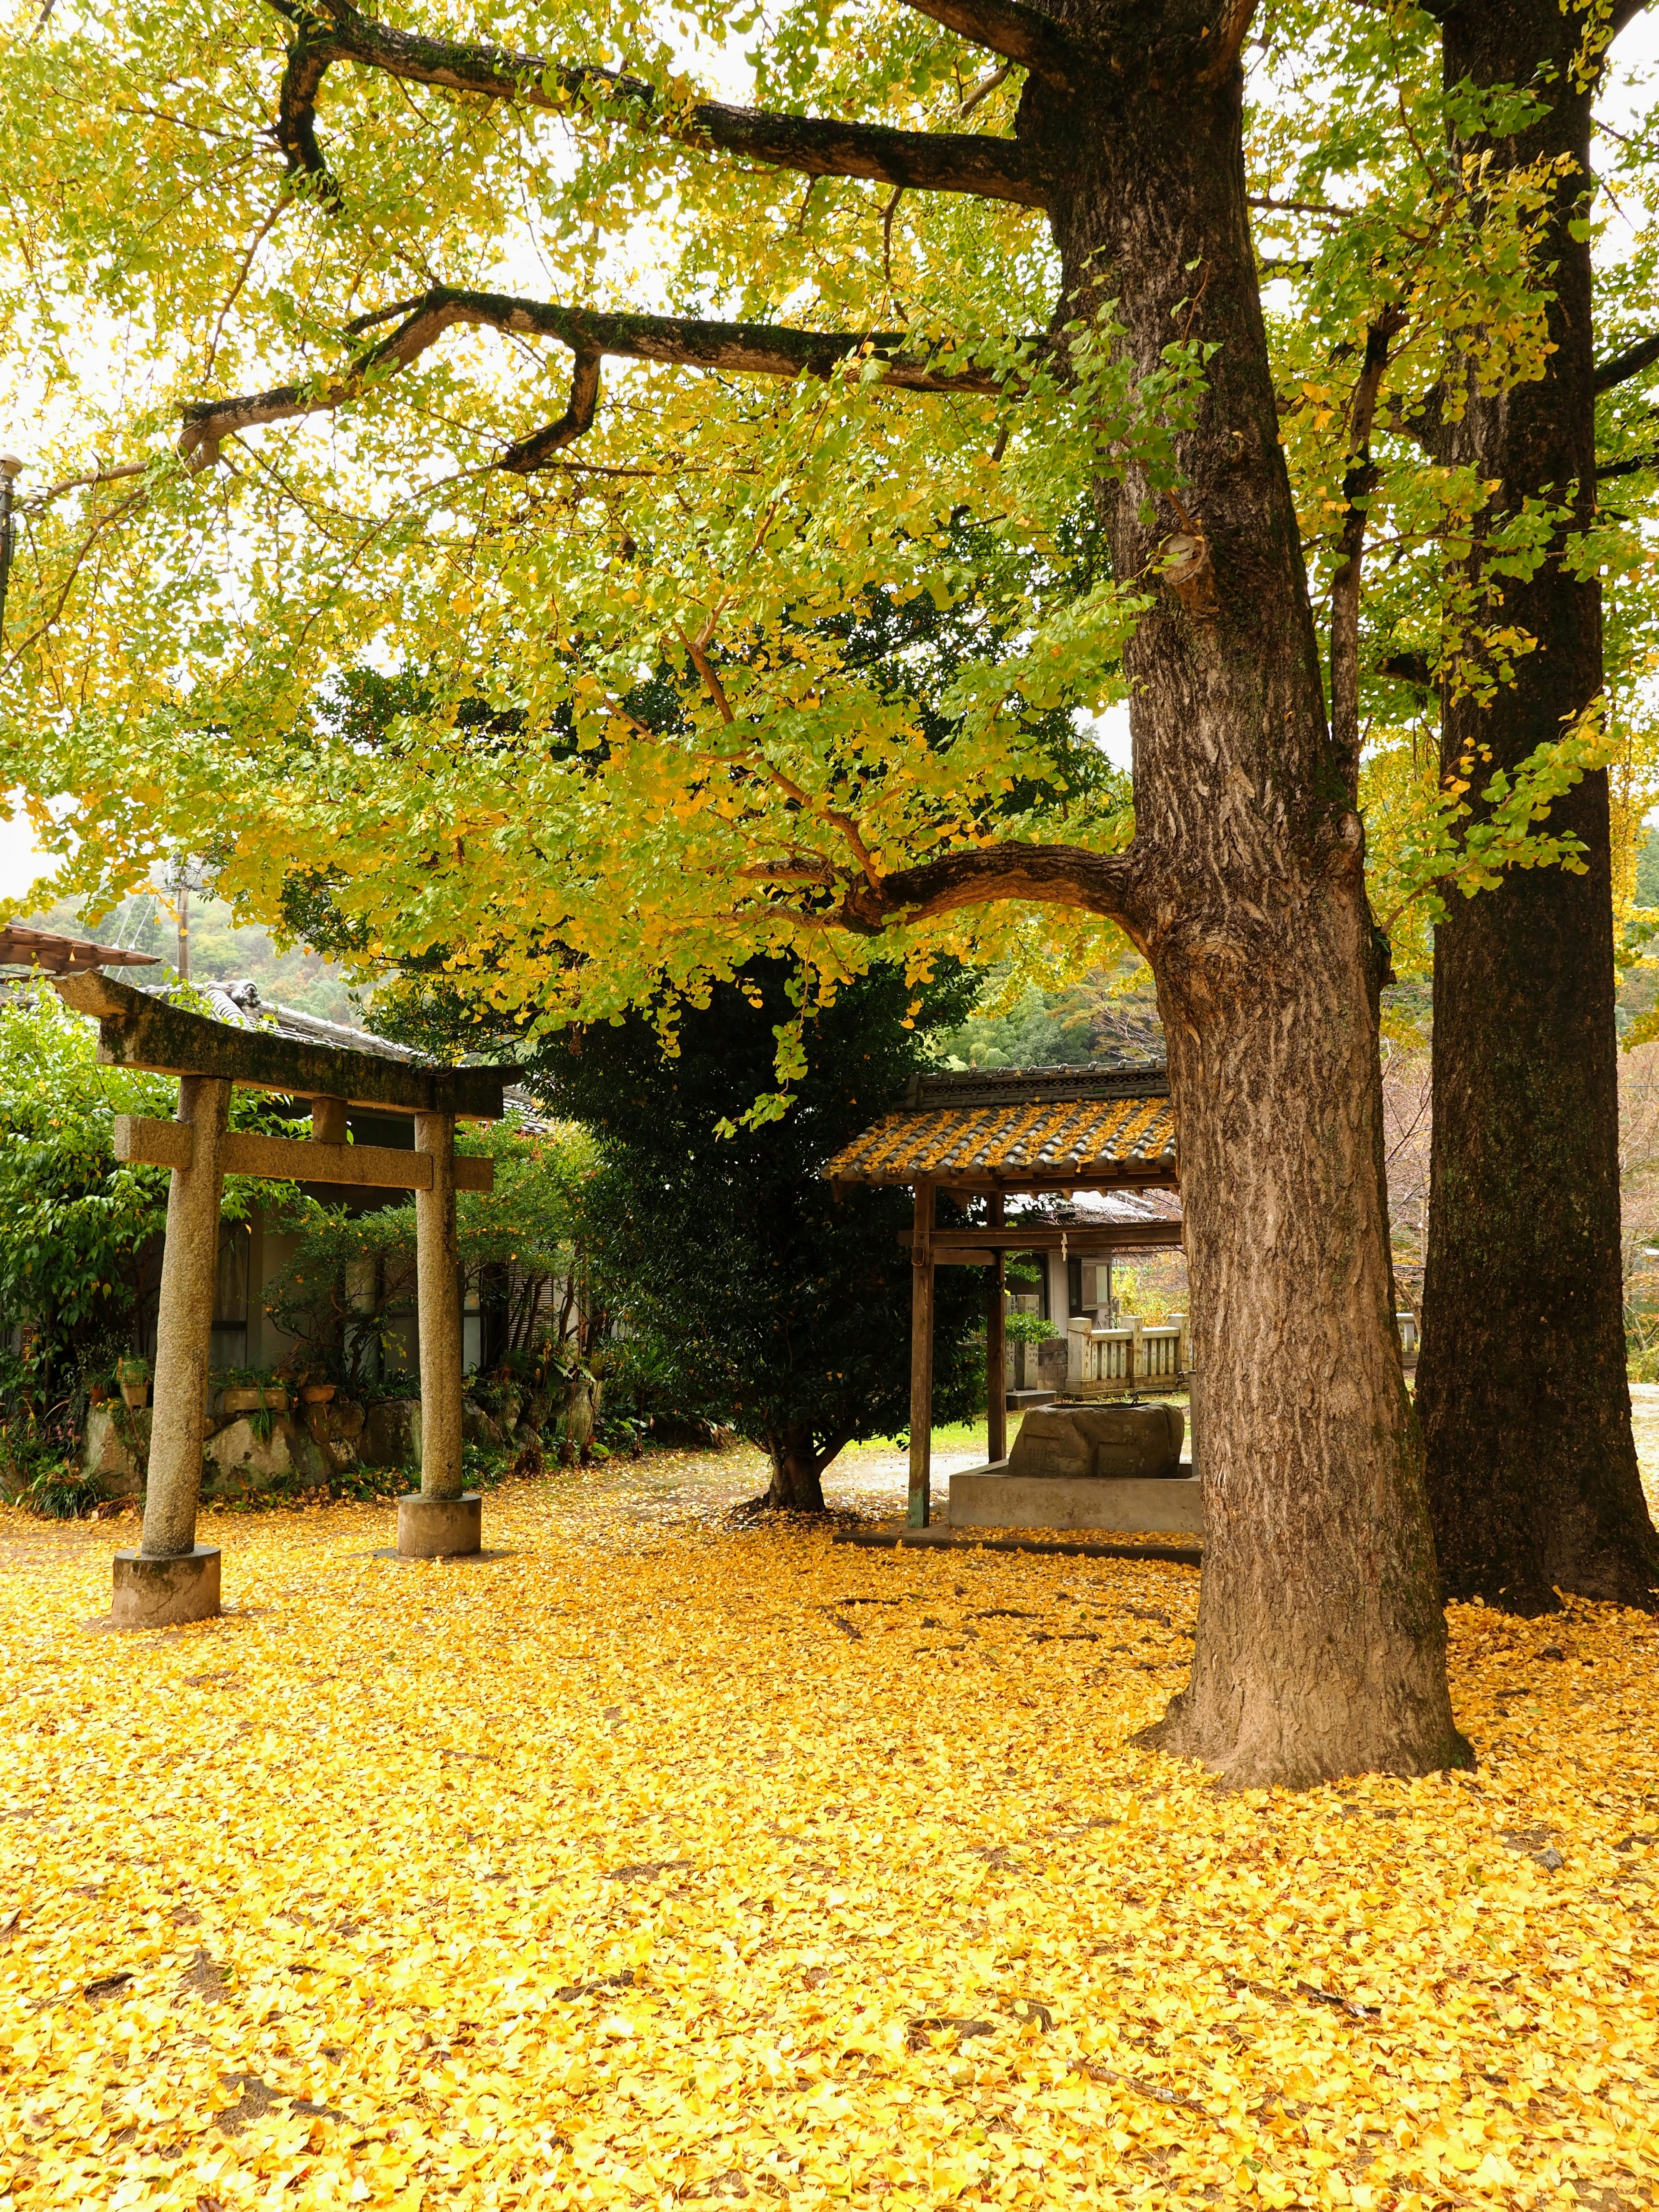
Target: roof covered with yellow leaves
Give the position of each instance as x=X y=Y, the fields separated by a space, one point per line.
x=1021 y=1128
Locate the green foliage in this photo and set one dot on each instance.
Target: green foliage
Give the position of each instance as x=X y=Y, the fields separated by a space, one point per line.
x=79 y=1250
x=1028 y=1328
x=1100 y=1018
x=780 y=1310
x=74 y=1224
x=58 y=1492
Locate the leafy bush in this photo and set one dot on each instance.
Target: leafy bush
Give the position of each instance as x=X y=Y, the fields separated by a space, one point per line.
x=62 y=1492
x=1028 y=1328
x=39 y=1461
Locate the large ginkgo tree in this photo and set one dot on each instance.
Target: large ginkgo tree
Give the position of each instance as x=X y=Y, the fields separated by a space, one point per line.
x=482 y=353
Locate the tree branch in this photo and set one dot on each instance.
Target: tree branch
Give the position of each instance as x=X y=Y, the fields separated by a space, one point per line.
x=1638 y=464
x=744 y=348
x=1021 y=33
x=1623 y=366
x=1105 y=884
x=988 y=169
x=529 y=454
x=1359 y=483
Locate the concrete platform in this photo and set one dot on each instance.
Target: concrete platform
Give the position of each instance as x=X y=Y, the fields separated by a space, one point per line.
x=165 y=1593
x=895 y=1536
x=991 y=1498
x=439 y=1528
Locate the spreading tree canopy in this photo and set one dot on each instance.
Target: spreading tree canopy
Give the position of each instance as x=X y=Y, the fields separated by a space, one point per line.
x=521 y=347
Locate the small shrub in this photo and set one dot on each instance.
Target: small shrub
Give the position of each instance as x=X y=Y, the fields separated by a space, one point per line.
x=60 y=1493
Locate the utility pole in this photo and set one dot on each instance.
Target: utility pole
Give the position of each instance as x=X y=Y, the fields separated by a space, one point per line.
x=183 y=922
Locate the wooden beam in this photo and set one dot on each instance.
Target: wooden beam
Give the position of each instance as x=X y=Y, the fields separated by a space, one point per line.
x=292 y=1159
x=1079 y=1237
x=137 y=1030
x=919 y=1509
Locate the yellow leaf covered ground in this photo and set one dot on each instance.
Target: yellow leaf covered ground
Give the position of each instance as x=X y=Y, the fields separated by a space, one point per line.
x=649 y=1864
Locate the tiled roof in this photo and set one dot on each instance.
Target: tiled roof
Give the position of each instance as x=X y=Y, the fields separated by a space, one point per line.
x=44 y=949
x=1066 y=1126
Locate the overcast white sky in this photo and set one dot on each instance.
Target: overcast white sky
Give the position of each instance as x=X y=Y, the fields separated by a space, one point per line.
x=22 y=863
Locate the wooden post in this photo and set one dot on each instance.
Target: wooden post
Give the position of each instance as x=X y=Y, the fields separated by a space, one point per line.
x=438 y=1306
x=996 y=1350
x=171 y=1578
x=921 y=1359
x=441 y=1521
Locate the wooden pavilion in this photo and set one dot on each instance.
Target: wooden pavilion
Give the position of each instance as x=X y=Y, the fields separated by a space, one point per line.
x=171 y=1577
x=988 y=1135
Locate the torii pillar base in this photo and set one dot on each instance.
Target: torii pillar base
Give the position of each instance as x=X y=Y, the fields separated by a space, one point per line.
x=439 y=1528
x=165 y=1593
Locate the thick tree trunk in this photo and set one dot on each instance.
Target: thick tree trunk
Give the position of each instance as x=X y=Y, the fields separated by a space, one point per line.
x=1320 y=1643
x=1521 y=1386
x=796 y=1484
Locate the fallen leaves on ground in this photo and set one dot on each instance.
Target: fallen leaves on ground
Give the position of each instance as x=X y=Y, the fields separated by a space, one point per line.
x=610 y=1870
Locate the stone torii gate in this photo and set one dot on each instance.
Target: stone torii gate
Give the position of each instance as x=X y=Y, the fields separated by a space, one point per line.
x=171 y=1577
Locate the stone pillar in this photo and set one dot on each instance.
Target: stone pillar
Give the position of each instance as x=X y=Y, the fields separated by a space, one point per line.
x=921 y=1360
x=171 y=1577
x=439 y=1521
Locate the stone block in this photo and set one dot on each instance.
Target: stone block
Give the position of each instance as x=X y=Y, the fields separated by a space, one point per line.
x=439 y=1528
x=162 y=1593
x=478 y=1427
x=245 y=1460
x=1073 y=1442
x=336 y=1430
x=392 y=1434
x=997 y=1497
x=107 y=1452
x=1053 y=1362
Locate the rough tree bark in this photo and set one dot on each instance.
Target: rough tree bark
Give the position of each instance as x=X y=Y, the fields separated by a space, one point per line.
x=1320 y=1646
x=1320 y=1643
x=1521 y=1384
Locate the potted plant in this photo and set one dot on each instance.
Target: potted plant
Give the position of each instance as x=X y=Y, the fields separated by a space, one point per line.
x=134 y=1374
x=316 y=1393
x=254 y=1394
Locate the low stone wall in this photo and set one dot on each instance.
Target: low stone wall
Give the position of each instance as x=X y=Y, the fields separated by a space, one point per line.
x=243 y=1454
x=302 y=1448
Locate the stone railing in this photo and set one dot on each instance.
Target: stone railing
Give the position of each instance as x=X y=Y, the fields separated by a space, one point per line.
x=1105 y=1361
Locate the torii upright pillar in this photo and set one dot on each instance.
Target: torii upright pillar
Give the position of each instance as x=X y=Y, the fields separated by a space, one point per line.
x=171 y=1577
x=441 y=1520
